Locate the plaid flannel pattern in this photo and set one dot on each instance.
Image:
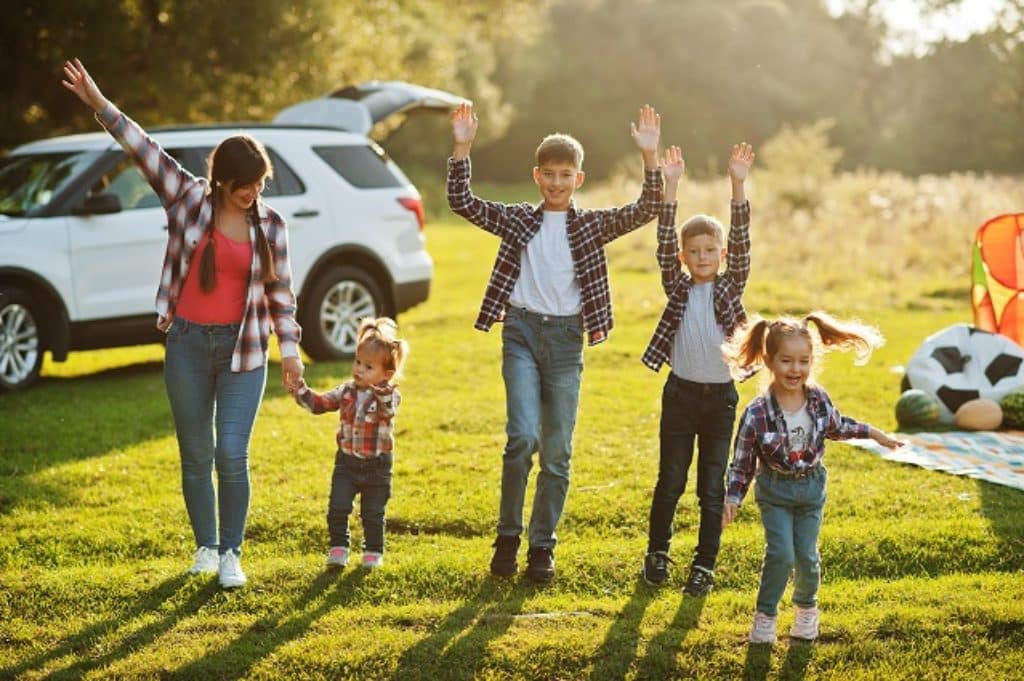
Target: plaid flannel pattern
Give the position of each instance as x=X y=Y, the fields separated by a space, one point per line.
x=728 y=286
x=588 y=232
x=762 y=440
x=367 y=429
x=189 y=209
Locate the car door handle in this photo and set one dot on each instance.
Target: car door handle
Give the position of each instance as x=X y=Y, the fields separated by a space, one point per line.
x=305 y=214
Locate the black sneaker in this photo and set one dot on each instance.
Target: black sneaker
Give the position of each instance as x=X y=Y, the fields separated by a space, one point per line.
x=700 y=582
x=656 y=567
x=540 y=564
x=503 y=564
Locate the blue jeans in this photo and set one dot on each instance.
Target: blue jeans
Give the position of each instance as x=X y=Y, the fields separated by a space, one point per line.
x=371 y=479
x=203 y=391
x=701 y=412
x=791 y=511
x=542 y=364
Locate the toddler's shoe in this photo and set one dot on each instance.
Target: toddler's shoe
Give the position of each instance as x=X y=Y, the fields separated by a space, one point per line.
x=540 y=564
x=204 y=560
x=656 y=567
x=503 y=563
x=229 y=571
x=763 y=630
x=805 y=626
x=372 y=559
x=700 y=582
x=337 y=557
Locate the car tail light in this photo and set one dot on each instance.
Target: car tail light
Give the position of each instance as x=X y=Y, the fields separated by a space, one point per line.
x=416 y=206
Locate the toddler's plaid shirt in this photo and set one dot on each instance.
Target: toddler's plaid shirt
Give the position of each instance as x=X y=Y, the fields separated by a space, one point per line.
x=367 y=416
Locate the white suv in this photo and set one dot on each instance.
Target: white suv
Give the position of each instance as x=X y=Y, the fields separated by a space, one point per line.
x=82 y=234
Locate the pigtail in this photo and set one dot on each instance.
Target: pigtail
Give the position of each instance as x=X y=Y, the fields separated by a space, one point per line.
x=845 y=335
x=262 y=246
x=208 y=263
x=745 y=352
x=381 y=335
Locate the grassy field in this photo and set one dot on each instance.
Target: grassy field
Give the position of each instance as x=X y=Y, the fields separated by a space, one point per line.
x=921 y=571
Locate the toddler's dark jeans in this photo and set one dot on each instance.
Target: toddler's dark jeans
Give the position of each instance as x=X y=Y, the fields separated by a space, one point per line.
x=370 y=478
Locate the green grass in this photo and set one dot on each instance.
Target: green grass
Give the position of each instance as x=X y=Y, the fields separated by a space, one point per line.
x=921 y=570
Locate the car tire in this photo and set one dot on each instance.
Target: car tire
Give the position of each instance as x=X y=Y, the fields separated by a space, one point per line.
x=21 y=351
x=338 y=299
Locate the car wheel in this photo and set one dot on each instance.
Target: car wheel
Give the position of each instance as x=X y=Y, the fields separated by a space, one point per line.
x=341 y=296
x=21 y=354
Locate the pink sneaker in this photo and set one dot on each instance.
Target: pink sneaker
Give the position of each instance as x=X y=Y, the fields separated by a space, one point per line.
x=805 y=627
x=337 y=556
x=763 y=630
x=372 y=559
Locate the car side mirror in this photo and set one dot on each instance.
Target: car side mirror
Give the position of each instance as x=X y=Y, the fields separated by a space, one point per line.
x=99 y=204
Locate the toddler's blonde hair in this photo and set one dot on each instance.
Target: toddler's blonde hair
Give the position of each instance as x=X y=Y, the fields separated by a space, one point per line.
x=380 y=336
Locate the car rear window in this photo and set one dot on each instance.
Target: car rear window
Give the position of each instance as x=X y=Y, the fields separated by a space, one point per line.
x=361 y=166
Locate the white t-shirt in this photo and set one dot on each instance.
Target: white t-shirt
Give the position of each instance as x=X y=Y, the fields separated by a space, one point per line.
x=798 y=423
x=697 y=347
x=547 y=280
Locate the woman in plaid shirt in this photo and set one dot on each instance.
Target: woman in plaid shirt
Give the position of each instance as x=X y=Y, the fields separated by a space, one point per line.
x=217 y=317
x=781 y=441
x=366 y=439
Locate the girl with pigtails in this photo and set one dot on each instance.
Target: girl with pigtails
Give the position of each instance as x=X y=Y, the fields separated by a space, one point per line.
x=367 y=405
x=226 y=281
x=779 y=446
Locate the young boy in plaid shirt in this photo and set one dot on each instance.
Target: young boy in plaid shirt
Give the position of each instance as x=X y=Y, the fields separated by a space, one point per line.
x=366 y=439
x=549 y=285
x=699 y=399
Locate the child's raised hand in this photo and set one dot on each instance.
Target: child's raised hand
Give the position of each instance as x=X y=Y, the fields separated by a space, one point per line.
x=740 y=161
x=672 y=164
x=464 y=124
x=728 y=513
x=647 y=129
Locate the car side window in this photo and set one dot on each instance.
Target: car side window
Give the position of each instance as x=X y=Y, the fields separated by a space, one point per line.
x=127 y=183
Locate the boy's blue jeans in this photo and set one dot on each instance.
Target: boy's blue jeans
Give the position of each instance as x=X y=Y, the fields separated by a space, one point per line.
x=371 y=479
x=701 y=412
x=203 y=391
x=542 y=364
x=791 y=512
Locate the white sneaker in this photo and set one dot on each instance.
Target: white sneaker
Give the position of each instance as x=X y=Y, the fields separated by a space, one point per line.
x=372 y=559
x=204 y=560
x=230 y=573
x=337 y=556
x=763 y=630
x=805 y=627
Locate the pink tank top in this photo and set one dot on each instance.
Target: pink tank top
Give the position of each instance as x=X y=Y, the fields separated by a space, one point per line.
x=225 y=304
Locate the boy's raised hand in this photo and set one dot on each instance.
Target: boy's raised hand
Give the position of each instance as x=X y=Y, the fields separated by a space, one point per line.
x=673 y=166
x=464 y=124
x=740 y=161
x=646 y=132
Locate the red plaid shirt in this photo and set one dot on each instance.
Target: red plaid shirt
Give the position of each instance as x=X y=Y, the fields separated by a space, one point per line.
x=763 y=438
x=588 y=232
x=367 y=424
x=189 y=206
x=728 y=286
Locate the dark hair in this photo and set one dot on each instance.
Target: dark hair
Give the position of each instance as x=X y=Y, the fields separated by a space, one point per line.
x=237 y=161
x=560 y=148
x=758 y=340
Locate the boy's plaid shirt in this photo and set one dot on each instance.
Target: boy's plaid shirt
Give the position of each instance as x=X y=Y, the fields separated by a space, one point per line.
x=367 y=427
x=189 y=209
x=588 y=231
x=728 y=286
x=763 y=439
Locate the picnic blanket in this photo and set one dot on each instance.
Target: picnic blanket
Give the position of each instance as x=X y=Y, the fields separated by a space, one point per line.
x=993 y=457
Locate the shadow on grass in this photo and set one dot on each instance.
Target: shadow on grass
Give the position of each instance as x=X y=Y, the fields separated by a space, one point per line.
x=659 y=662
x=1003 y=507
x=618 y=649
x=80 y=643
x=758 y=662
x=237 y=659
x=483 y=617
x=798 y=657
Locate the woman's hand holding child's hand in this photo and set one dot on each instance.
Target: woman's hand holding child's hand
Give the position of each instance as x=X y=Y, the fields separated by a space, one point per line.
x=728 y=514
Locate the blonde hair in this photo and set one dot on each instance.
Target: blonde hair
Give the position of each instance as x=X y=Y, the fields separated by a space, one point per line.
x=756 y=342
x=380 y=337
x=560 y=148
x=701 y=224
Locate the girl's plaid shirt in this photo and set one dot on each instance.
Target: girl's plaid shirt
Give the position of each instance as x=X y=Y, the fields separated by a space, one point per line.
x=367 y=428
x=728 y=286
x=189 y=208
x=763 y=439
x=588 y=231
